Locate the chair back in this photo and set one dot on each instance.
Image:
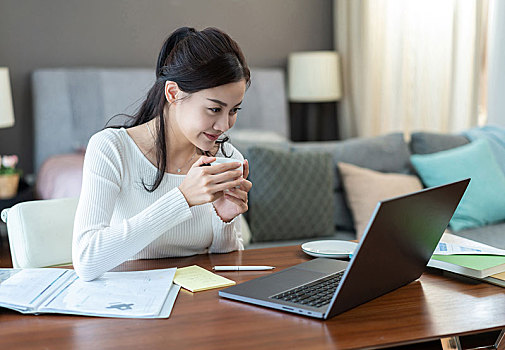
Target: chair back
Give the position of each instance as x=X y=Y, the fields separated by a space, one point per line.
x=40 y=232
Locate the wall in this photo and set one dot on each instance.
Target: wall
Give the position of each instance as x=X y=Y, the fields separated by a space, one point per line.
x=127 y=33
x=496 y=69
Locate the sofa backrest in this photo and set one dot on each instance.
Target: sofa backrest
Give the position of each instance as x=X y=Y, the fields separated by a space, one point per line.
x=388 y=153
x=71 y=104
x=429 y=142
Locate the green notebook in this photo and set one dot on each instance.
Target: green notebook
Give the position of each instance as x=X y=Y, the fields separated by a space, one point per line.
x=479 y=266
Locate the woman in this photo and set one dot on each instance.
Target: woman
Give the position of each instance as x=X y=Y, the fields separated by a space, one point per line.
x=146 y=192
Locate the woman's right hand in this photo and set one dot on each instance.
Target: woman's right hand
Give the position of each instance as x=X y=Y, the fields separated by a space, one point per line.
x=205 y=184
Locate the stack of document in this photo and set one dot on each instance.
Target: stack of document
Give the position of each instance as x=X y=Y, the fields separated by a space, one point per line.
x=473 y=259
x=136 y=294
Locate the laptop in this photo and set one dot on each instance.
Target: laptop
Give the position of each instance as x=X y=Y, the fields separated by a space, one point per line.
x=401 y=236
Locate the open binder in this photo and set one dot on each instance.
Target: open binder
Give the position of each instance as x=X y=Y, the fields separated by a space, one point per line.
x=135 y=294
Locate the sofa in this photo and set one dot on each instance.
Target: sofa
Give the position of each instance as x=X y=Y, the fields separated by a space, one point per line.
x=299 y=192
x=278 y=216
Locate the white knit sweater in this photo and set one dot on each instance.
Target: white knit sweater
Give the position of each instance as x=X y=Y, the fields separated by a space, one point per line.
x=118 y=220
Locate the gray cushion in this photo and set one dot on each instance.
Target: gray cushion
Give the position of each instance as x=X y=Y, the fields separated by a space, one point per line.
x=429 y=142
x=388 y=154
x=292 y=196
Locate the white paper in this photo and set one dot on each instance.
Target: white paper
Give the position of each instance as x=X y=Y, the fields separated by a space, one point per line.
x=118 y=294
x=451 y=245
x=26 y=288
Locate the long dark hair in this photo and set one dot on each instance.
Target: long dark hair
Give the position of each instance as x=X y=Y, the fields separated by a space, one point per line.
x=195 y=60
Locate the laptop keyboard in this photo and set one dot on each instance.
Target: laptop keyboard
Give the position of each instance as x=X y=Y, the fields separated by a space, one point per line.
x=316 y=294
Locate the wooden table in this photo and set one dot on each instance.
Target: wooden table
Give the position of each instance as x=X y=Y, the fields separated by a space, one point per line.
x=431 y=308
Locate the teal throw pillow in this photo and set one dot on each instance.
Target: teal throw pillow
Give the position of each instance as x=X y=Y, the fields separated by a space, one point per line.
x=484 y=200
x=292 y=195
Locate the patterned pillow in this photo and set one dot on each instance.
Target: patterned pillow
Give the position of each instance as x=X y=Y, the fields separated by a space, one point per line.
x=292 y=194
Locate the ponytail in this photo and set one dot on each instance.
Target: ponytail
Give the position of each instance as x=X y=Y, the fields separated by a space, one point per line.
x=169 y=45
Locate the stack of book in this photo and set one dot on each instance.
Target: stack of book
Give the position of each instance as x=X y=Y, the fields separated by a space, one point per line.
x=469 y=258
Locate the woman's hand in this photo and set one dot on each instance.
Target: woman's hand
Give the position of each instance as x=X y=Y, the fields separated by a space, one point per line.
x=234 y=201
x=205 y=184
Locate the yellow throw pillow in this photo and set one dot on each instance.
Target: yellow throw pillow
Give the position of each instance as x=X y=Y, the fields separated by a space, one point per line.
x=364 y=188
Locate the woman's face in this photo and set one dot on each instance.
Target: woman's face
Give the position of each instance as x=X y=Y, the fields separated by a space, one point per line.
x=202 y=117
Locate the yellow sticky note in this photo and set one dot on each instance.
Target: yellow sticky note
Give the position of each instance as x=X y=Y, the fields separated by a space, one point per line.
x=196 y=278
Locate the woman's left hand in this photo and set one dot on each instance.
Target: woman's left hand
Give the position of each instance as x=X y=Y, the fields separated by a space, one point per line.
x=234 y=201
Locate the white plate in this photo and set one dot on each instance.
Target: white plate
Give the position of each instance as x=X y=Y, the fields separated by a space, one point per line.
x=329 y=249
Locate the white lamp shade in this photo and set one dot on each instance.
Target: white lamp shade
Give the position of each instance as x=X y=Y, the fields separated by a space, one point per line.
x=314 y=76
x=6 y=109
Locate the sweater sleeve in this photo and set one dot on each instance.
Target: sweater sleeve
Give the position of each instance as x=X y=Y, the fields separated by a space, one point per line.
x=98 y=247
x=227 y=235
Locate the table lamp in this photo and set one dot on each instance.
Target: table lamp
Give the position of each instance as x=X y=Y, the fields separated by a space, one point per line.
x=8 y=183
x=314 y=80
x=6 y=109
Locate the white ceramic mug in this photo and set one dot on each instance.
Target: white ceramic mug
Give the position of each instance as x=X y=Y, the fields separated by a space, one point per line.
x=222 y=160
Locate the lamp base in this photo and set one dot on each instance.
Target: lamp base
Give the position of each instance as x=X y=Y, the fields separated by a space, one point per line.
x=314 y=121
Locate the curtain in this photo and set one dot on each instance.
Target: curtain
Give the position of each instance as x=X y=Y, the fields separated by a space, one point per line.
x=410 y=65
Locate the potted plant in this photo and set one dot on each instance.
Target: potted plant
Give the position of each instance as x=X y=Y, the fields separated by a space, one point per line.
x=9 y=176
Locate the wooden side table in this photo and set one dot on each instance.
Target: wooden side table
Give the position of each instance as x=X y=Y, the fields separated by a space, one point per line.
x=25 y=193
